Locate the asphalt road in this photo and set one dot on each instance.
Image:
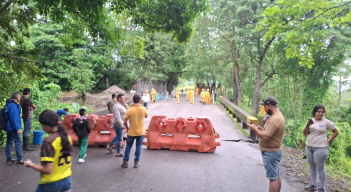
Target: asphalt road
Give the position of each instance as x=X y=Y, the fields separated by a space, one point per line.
x=234 y=166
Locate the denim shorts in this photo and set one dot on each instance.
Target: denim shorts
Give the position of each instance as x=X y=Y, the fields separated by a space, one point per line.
x=271 y=163
x=58 y=186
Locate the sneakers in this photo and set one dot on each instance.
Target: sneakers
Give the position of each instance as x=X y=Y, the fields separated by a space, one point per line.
x=124 y=164
x=10 y=161
x=81 y=161
x=311 y=188
x=136 y=164
x=321 y=190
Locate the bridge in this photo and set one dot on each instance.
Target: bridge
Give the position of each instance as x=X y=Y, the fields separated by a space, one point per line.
x=234 y=166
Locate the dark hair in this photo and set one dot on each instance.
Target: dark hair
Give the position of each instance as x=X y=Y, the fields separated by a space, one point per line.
x=82 y=111
x=15 y=95
x=26 y=91
x=50 y=118
x=119 y=96
x=113 y=96
x=65 y=109
x=316 y=109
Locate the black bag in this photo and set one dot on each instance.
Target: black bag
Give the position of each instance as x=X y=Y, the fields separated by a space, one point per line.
x=3 y=121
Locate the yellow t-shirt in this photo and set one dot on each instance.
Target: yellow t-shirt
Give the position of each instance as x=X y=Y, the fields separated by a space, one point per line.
x=136 y=116
x=51 y=153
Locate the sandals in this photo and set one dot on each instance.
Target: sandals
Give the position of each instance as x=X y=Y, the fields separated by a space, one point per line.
x=109 y=149
x=20 y=162
x=120 y=155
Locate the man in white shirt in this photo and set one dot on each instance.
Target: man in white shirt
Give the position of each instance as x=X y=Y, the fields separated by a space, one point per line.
x=146 y=99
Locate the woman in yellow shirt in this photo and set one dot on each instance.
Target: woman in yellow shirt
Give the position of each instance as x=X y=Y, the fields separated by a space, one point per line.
x=55 y=169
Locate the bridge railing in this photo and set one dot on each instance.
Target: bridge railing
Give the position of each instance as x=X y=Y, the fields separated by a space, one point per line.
x=242 y=117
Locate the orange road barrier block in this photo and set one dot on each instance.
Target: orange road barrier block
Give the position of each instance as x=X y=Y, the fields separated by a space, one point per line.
x=181 y=134
x=102 y=132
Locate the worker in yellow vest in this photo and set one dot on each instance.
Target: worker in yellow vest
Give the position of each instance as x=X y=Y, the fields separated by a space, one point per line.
x=197 y=91
x=208 y=97
x=191 y=96
x=177 y=95
x=187 y=94
x=202 y=96
x=153 y=94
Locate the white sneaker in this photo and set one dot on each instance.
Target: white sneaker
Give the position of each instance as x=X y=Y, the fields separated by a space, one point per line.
x=81 y=161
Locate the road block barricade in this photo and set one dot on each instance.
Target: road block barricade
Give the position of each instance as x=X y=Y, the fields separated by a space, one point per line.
x=181 y=134
x=102 y=132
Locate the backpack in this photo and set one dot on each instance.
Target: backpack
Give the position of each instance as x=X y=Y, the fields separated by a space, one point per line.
x=3 y=121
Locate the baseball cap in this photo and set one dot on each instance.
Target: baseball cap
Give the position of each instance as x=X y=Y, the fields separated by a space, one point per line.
x=269 y=101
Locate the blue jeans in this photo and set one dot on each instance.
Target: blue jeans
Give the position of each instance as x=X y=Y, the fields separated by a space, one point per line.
x=146 y=104
x=58 y=186
x=27 y=126
x=271 y=163
x=113 y=142
x=119 y=137
x=13 y=137
x=130 y=141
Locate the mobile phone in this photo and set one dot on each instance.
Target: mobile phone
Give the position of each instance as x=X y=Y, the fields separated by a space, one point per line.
x=310 y=120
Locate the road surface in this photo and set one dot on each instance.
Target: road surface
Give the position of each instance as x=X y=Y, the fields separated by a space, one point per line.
x=234 y=166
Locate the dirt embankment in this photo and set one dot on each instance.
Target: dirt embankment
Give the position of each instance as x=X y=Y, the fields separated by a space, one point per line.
x=98 y=100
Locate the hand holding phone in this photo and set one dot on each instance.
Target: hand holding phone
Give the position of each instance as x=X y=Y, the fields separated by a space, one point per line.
x=310 y=122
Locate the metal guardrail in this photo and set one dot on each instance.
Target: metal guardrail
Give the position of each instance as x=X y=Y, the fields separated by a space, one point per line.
x=241 y=116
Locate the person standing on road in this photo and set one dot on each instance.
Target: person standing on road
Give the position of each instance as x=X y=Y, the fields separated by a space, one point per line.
x=82 y=129
x=61 y=112
x=146 y=99
x=27 y=116
x=119 y=111
x=136 y=131
x=110 y=105
x=215 y=95
x=271 y=138
x=12 y=113
x=317 y=146
x=55 y=156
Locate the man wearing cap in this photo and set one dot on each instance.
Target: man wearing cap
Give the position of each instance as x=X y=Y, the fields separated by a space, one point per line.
x=136 y=130
x=27 y=115
x=271 y=138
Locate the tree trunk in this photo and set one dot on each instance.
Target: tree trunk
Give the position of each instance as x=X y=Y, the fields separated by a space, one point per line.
x=235 y=74
x=169 y=83
x=258 y=87
x=339 y=101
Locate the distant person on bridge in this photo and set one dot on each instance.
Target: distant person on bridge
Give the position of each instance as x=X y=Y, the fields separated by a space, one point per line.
x=208 y=97
x=153 y=94
x=317 y=146
x=82 y=129
x=55 y=156
x=61 y=112
x=203 y=96
x=191 y=96
x=215 y=95
x=119 y=111
x=146 y=99
x=271 y=138
x=136 y=131
x=141 y=92
x=187 y=94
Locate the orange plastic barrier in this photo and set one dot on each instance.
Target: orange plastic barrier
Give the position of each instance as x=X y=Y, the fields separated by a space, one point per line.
x=181 y=134
x=102 y=132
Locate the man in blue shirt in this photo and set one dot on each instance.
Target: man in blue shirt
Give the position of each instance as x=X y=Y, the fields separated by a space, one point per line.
x=61 y=112
x=14 y=125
